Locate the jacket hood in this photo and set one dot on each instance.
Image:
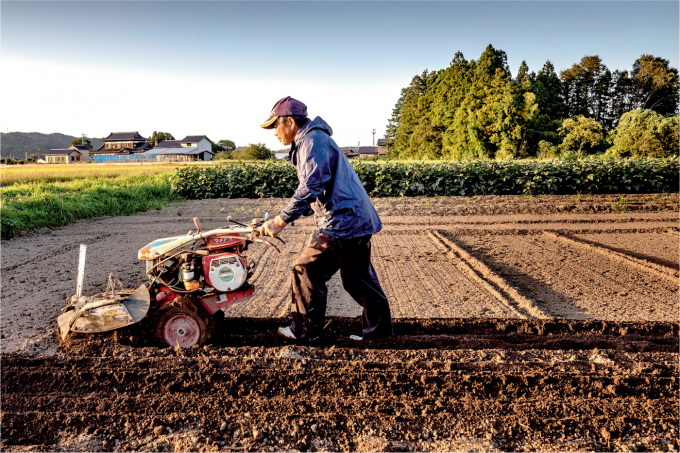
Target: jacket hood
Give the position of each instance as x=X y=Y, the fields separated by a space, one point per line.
x=316 y=123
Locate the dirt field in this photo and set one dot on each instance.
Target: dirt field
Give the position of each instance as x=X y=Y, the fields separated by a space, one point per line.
x=523 y=323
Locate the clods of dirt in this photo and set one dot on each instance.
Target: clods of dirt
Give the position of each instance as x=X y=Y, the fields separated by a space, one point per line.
x=439 y=385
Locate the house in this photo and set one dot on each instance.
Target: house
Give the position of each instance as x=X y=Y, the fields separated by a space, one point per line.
x=84 y=150
x=63 y=156
x=198 y=141
x=382 y=144
x=371 y=151
x=178 y=154
x=192 y=147
x=349 y=153
x=121 y=146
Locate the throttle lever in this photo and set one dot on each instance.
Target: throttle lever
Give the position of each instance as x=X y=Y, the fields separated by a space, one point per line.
x=229 y=219
x=262 y=241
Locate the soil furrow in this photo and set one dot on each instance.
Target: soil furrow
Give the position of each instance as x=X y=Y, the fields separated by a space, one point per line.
x=514 y=299
x=653 y=268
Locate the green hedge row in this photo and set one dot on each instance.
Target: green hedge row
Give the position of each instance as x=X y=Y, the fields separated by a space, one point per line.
x=405 y=179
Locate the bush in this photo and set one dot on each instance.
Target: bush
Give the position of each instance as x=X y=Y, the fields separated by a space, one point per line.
x=644 y=133
x=581 y=134
x=256 y=151
x=222 y=155
x=547 y=150
x=397 y=179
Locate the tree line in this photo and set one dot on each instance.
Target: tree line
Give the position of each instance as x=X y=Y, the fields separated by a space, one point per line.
x=476 y=109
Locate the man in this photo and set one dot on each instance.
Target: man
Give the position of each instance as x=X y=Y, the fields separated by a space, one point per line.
x=330 y=188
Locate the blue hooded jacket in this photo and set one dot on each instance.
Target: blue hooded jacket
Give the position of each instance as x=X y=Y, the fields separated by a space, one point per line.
x=329 y=187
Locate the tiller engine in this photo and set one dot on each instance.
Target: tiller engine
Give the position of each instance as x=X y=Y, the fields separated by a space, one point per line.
x=191 y=278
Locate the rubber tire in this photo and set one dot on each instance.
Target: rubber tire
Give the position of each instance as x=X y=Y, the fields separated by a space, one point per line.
x=187 y=308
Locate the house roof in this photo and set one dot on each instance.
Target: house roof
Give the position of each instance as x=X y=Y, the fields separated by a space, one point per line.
x=384 y=141
x=142 y=147
x=80 y=147
x=61 y=152
x=124 y=136
x=195 y=138
x=368 y=150
x=177 y=150
x=168 y=144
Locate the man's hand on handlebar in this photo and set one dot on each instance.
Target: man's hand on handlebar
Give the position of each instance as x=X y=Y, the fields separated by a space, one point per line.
x=273 y=227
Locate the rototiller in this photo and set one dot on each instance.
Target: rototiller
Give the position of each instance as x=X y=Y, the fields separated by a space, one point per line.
x=191 y=278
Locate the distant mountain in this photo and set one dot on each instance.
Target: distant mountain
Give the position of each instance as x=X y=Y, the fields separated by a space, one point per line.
x=17 y=144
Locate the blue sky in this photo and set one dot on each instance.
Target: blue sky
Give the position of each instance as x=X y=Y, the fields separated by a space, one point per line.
x=217 y=68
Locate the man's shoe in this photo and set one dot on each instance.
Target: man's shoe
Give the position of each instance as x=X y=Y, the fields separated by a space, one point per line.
x=286 y=333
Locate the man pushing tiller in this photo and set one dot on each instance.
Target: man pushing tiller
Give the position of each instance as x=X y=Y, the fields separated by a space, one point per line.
x=329 y=188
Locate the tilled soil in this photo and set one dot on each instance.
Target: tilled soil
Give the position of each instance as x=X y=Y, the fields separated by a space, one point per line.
x=522 y=323
x=442 y=385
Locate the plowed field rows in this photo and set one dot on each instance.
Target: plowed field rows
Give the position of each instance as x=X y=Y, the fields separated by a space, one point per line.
x=542 y=324
x=581 y=283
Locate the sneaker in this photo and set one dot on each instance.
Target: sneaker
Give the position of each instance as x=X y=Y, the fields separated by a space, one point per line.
x=287 y=333
x=356 y=338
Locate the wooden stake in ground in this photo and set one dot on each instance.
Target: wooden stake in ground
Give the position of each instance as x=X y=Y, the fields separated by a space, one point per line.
x=81 y=270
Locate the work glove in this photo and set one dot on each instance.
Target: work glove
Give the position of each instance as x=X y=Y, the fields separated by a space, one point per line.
x=273 y=227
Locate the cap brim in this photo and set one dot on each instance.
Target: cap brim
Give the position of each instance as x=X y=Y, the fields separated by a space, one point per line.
x=269 y=124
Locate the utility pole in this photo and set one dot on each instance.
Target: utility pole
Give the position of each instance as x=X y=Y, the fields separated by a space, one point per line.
x=82 y=142
x=373 y=137
x=358 y=142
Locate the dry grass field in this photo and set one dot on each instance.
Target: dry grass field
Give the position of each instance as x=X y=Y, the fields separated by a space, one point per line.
x=46 y=173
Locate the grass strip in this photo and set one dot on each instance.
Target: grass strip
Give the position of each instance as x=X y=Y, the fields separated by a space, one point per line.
x=31 y=206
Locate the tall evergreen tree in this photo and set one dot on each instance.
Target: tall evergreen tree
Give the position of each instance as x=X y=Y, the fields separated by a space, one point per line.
x=581 y=87
x=476 y=110
x=654 y=85
x=548 y=92
x=452 y=88
x=402 y=146
x=523 y=73
x=426 y=141
x=492 y=119
x=395 y=120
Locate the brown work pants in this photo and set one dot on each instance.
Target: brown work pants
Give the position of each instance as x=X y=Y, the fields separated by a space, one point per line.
x=322 y=258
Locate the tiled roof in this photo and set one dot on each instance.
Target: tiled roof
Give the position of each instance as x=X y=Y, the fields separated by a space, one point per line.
x=124 y=136
x=80 y=147
x=195 y=138
x=61 y=152
x=141 y=148
x=168 y=144
x=368 y=150
x=384 y=141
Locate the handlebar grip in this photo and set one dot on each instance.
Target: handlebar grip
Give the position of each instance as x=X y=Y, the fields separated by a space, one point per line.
x=197 y=223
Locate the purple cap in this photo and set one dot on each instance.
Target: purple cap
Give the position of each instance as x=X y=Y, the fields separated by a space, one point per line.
x=285 y=107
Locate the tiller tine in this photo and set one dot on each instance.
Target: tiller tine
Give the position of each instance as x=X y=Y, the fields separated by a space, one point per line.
x=105 y=312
